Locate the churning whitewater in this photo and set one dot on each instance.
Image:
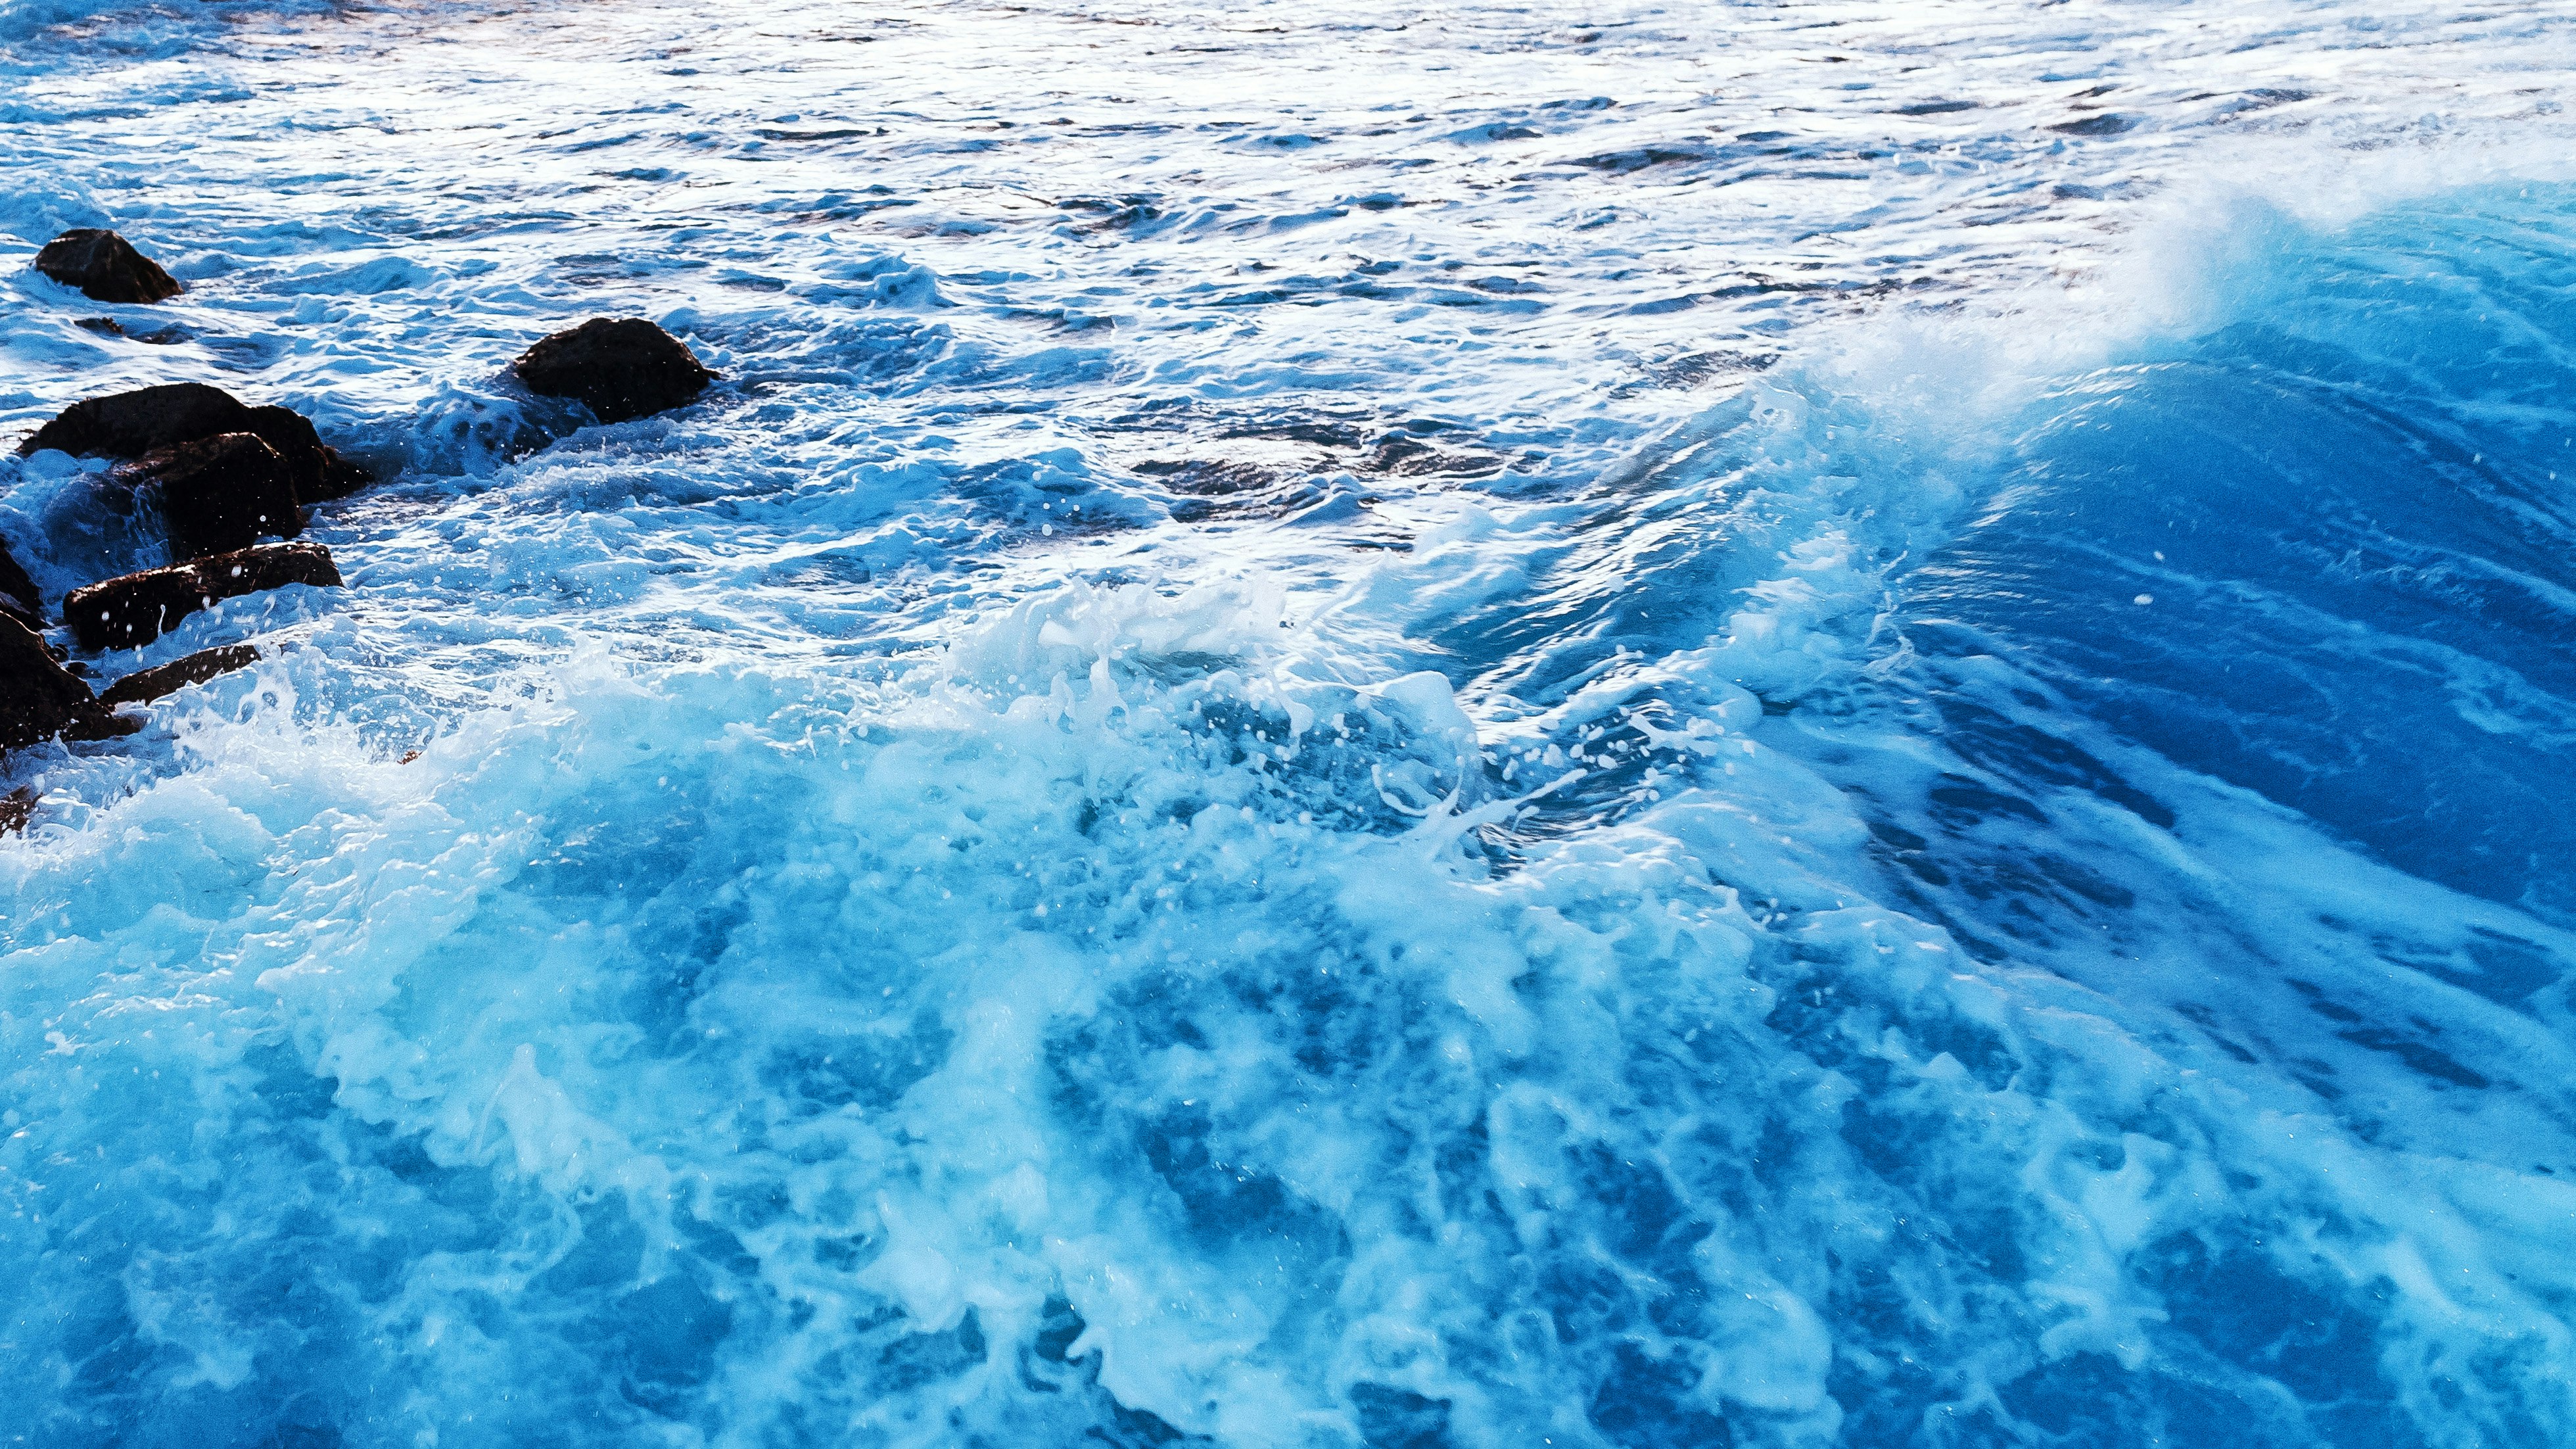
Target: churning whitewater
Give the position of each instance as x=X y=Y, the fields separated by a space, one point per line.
x=1815 y=724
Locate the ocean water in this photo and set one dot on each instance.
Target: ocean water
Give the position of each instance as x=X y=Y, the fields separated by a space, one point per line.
x=1622 y=726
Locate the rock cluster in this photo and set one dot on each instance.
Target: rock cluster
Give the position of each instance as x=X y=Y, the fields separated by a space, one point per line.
x=105 y=266
x=225 y=476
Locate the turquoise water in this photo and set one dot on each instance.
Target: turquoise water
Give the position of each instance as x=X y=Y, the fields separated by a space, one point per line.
x=1863 y=746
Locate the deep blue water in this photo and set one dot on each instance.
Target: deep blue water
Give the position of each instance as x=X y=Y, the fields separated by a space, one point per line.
x=2346 y=507
x=1635 y=729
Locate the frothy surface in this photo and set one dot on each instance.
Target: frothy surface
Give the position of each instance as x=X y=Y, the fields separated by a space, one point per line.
x=1777 y=726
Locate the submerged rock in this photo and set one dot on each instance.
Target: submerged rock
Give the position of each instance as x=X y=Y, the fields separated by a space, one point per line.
x=110 y=327
x=18 y=594
x=620 y=369
x=145 y=685
x=40 y=700
x=132 y=424
x=124 y=612
x=222 y=493
x=105 y=266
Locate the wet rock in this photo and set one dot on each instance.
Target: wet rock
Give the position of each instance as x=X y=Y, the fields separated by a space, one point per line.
x=221 y=494
x=110 y=327
x=16 y=808
x=124 y=612
x=320 y=473
x=105 y=266
x=18 y=594
x=1228 y=488
x=619 y=369
x=132 y=424
x=1406 y=456
x=146 y=685
x=39 y=700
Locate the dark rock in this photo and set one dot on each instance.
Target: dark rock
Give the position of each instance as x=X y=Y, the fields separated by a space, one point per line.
x=619 y=369
x=320 y=472
x=2095 y=126
x=146 y=685
x=16 y=808
x=106 y=266
x=1407 y=456
x=341 y=476
x=39 y=701
x=131 y=424
x=110 y=327
x=221 y=494
x=124 y=612
x=18 y=594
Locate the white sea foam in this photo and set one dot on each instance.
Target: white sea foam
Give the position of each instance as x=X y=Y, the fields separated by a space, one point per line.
x=1250 y=776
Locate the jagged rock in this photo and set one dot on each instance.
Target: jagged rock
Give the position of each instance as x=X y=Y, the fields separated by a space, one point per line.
x=105 y=266
x=124 y=612
x=18 y=594
x=620 y=369
x=146 y=685
x=131 y=424
x=16 y=808
x=221 y=494
x=39 y=701
x=319 y=471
